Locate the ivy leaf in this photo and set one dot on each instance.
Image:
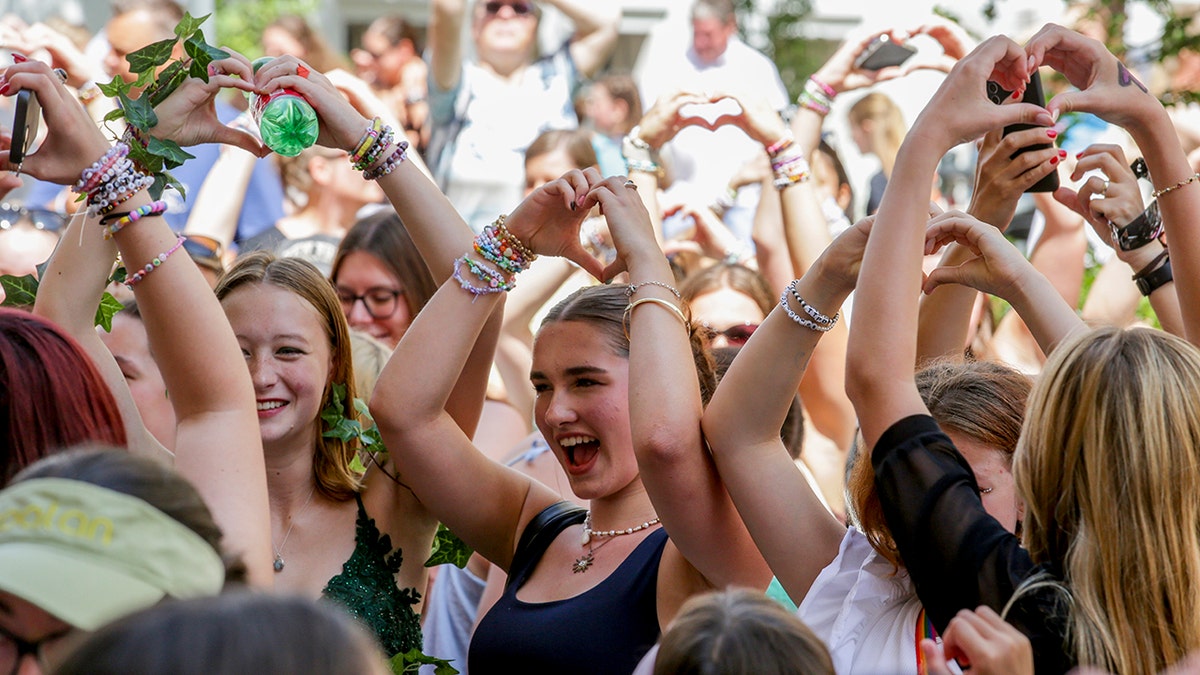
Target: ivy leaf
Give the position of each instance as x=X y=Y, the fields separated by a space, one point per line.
x=357 y=466
x=114 y=114
x=151 y=56
x=18 y=291
x=172 y=155
x=139 y=113
x=168 y=81
x=108 y=308
x=411 y=661
x=202 y=54
x=448 y=548
x=189 y=24
x=118 y=276
x=144 y=78
x=115 y=87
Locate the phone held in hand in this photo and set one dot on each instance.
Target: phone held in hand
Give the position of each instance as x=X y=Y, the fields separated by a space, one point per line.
x=883 y=52
x=27 y=115
x=1035 y=95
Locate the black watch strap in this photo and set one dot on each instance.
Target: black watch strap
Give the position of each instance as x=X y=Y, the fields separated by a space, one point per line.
x=1144 y=229
x=1152 y=281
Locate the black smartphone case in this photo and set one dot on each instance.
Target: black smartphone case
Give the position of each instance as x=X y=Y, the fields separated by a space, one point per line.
x=1034 y=95
x=882 y=54
x=26 y=116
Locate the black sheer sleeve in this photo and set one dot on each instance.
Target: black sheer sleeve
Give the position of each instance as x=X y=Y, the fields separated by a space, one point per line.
x=957 y=555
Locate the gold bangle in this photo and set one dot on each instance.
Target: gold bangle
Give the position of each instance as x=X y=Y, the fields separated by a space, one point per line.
x=687 y=325
x=1186 y=181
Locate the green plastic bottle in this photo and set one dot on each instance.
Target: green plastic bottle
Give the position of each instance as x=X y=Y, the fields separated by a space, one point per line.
x=287 y=123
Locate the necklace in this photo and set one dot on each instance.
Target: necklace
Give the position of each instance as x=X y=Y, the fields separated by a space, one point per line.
x=583 y=562
x=279 y=561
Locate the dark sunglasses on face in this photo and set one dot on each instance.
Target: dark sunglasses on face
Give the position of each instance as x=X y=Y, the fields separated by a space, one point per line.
x=380 y=302
x=519 y=8
x=200 y=246
x=736 y=335
x=42 y=219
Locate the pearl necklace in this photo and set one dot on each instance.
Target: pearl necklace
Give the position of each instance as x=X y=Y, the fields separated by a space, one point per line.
x=583 y=562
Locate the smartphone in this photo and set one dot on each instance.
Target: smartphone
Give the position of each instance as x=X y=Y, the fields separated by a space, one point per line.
x=882 y=53
x=26 y=117
x=1035 y=95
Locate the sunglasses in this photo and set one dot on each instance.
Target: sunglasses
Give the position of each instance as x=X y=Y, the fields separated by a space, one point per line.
x=205 y=251
x=736 y=335
x=519 y=8
x=42 y=219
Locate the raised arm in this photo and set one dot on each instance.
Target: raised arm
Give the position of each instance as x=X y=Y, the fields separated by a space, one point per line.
x=791 y=527
x=1108 y=89
x=217 y=443
x=882 y=347
x=446 y=42
x=595 y=32
x=665 y=407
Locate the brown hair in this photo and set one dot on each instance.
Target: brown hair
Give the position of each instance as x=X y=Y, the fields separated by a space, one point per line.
x=575 y=142
x=733 y=276
x=331 y=456
x=622 y=87
x=739 y=632
x=317 y=52
x=983 y=400
x=604 y=308
x=384 y=236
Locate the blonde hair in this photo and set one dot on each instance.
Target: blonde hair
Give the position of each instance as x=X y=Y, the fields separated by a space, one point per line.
x=331 y=456
x=1109 y=468
x=888 y=130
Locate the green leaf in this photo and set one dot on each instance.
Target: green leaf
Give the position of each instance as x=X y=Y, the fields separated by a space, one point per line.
x=115 y=114
x=143 y=79
x=139 y=113
x=410 y=661
x=202 y=54
x=168 y=81
x=118 y=276
x=172 y=155
x=114 y=87
x=448 y=549
x=189 y=24
x=357 y=466
x=151 y=56
x=18 y=291
x=109 y=306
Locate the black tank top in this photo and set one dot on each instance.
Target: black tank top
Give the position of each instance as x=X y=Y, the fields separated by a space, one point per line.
x=606 y=629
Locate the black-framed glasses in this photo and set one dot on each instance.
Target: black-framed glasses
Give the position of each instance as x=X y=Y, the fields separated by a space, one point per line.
x=13 y=649
x=42 y=219
x=493 y=7
x=736 y=335
x=380 y=302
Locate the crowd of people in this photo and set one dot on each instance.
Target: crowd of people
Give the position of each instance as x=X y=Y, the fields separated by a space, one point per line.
x=624 y=340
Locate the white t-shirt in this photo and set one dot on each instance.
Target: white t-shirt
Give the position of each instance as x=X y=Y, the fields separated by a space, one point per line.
x=864 y=611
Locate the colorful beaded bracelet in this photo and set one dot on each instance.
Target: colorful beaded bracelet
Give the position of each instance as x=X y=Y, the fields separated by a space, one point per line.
x=138 y=276
x=389 y=165
x=119 y=221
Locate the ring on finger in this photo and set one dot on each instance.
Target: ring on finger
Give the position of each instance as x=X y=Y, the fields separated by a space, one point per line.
x=631 y=184
x=1104 y=190
x=62 y=75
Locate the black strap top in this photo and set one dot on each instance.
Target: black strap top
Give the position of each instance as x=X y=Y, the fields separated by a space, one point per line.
x=606 y=629
x=367 y=589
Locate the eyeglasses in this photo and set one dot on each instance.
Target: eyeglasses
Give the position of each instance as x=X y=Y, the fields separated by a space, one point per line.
x=737 y=335
x=13 y=649
x=519 y=8
x=379 y=302
x=206 y=251
x=42 y=219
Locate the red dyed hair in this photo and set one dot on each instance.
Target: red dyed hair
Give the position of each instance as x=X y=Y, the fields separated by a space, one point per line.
x=51 y=395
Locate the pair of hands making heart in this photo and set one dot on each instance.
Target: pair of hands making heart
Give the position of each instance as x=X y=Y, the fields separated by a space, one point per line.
x=548 y=220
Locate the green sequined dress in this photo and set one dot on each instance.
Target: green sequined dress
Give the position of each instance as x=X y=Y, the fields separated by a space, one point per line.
x=367 y=589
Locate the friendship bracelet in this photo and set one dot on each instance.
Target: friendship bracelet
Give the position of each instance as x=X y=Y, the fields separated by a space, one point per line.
x=383 y=140
x=807 y=100
x=781 y=144
x=657 y=301
x=504 y=251
x=809 y=309
x=1187 y=181
x=504 y=235
x=152 y=209
x=825 y=89
x=370 y=136
x=491 y=286
x=154 y=264
x=94 y=175
x=389 y=165
x=633 y=288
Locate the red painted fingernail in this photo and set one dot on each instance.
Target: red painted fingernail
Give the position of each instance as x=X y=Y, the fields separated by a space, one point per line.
x=1062 y=153
x=1054 y=160
x=4 y=89
x=1078 y=155
x=19 y=58
x=1016 y=94
x=1052 y=133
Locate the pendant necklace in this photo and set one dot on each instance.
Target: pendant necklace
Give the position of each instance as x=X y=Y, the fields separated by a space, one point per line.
x=279 y=561
x=584 y=562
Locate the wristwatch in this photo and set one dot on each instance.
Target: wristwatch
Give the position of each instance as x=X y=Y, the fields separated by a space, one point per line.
x=1152 y=281
x=1144 y=229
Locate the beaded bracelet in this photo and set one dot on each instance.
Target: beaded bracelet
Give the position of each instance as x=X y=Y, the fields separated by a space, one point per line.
x=1186 y=181
x=781 y=144
x=807 y=100
x=119 y=221
x=826 y=324
x=504 y=235
x=493 y=281
x=94 y=175
x=154 y=264
x=376 y=150
x=505 y=252
x=687 y=325
x=389 y=165
x=825 y=89
x=633 y=288
x=120 y=194
x=370 y=137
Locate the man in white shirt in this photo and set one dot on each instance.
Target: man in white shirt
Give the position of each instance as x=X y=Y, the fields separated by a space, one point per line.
x=703 y=161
